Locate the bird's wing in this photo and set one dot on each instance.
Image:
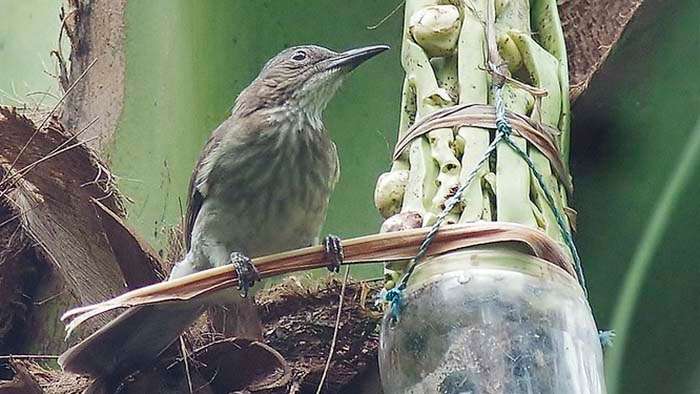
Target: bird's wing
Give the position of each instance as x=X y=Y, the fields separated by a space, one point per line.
x=197 y=187
x=194 y=203
x=336 y=173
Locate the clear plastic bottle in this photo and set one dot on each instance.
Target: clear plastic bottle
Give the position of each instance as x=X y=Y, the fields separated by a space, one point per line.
x=491 y=321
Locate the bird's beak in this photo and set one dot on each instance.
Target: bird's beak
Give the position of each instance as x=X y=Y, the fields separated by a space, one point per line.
x=348 y=60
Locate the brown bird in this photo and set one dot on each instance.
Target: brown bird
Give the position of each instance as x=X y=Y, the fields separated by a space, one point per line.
x=261 y=186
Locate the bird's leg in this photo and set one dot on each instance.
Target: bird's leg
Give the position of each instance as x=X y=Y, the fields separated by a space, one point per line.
x=333 y=252
x=246 y=271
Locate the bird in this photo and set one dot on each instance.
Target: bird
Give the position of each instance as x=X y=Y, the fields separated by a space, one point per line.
x=261 y=185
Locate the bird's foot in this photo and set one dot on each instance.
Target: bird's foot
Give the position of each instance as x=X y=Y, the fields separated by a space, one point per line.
x=333 y=252
x=246 y=271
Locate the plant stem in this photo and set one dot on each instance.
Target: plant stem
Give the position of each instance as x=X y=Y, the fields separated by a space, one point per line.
x=645 y=253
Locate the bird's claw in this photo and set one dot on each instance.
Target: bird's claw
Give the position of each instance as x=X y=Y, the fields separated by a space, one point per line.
x=246 y=271
x=333 y=252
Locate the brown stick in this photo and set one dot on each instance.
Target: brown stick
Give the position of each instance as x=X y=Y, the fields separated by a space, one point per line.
x=400 y=245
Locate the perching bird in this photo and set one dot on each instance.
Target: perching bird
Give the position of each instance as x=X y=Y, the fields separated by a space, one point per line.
x=261 y=186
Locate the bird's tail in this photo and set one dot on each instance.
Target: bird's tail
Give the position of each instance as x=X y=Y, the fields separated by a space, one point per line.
x=132 y=341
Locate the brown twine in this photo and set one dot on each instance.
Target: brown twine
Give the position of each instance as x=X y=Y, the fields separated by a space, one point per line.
x=541 y=136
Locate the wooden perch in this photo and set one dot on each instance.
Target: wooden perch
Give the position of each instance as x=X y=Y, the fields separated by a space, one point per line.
x=400 y=245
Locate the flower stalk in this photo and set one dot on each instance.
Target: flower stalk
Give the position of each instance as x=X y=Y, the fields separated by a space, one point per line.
x=445 y=55
x=483 y=137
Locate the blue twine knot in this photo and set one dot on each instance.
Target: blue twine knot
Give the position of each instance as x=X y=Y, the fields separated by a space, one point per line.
x=394 y=298
x=503 y=127
x=606 y=338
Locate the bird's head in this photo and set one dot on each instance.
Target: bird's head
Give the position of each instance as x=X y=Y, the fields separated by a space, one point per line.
x=302 y=78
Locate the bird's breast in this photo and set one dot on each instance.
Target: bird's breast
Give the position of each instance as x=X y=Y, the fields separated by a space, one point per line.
x=277 y=191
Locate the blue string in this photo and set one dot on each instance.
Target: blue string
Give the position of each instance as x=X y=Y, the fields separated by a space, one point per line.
x=395 y=299
x=503 y=127
x=606 y=338
x=563 y=229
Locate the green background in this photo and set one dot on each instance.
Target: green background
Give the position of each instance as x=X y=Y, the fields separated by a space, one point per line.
x=28 y=31
x=186 y=62
x=633 y=130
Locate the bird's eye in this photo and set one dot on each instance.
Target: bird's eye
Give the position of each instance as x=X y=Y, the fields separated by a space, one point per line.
x=299 y=56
